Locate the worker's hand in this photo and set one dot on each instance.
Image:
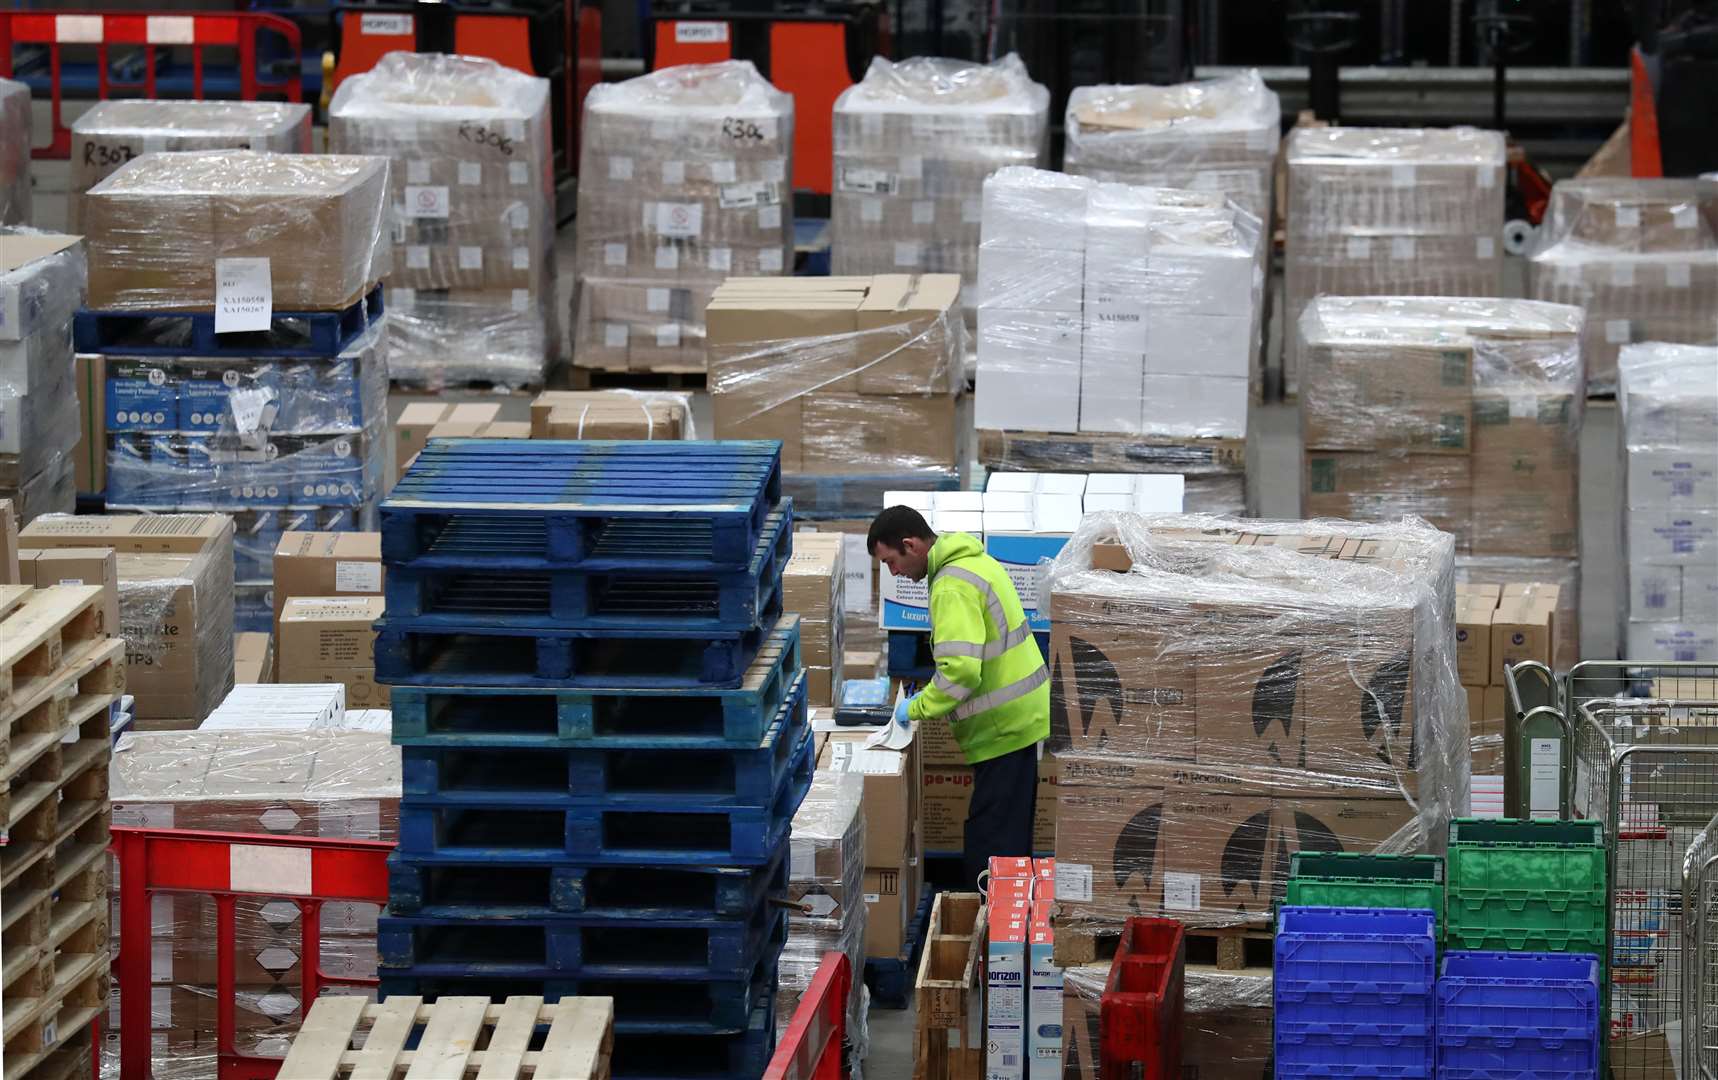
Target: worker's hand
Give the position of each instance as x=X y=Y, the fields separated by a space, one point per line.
x=901 y=711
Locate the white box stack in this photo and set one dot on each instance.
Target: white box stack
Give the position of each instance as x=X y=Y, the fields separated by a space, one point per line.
x=1110 y=308
x=1389 y=212
x=685 y=180
x=914 y=142
x=14 y=153
x=472 y=188
x=1216 y=135
x=1668 y=396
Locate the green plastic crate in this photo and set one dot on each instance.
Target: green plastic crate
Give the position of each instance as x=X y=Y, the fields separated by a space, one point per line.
x=1357 y=880
x=1526 y=878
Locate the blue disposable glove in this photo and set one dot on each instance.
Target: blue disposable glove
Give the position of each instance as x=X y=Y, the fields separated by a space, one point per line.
x=901 y=711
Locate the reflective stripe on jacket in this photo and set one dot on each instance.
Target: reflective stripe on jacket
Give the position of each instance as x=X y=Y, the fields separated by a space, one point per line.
x=991 y=682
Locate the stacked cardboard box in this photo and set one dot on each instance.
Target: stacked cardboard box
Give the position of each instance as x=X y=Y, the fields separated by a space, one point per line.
x=1227 y=1026
x=253 y=658
x=339 y=564
x=856 y=375
x=1498 y=625
x=684 y=180
x=1108 y=308
x=280 y=707
x=947 y=785
x=1465 y=412
x=111 y=133
x=421 y=421
x=893 y=848
x=1214 y=471
x=175 y=605
x=914 y=142
x=41 y=286
x=332 y=639
x=285 y=783
x=1389 y=212
x=473 y=222
x=98 y=566
x=612 y=414
x=826 y=870
x=1245 y=689
x=813 y=583
x=1215 y=135
x=1669 y=402
x=1641 y=256
x=14 y=153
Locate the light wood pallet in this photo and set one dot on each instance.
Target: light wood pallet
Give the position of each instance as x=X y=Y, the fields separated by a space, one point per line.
x=349 y=1038
x=38 y=631
x=1225 y=948
x=70 y=1060
x=45 y=729
x=949 y=990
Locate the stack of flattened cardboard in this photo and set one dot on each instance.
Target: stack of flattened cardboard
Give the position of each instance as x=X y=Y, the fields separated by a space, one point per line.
x=813 y=584
x=175 y=605
x=1247 y=691
x=856 y=375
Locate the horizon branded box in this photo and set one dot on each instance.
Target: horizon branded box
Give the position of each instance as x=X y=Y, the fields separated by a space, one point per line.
x=1010 y=902
x=1043 y=990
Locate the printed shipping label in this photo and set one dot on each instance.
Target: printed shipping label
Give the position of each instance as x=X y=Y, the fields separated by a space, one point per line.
x=357 y=577
x=244 y=295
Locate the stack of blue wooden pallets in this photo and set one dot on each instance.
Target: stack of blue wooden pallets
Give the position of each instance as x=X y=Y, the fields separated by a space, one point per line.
x=605 y=736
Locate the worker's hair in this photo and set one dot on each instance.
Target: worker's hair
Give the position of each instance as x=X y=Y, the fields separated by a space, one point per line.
x=894 y=525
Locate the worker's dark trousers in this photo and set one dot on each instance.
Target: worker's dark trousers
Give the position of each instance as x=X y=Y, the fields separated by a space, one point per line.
x=1004 y=798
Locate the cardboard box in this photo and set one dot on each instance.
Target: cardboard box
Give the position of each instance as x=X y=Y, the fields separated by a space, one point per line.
x=1473 y=638
x=891 y=896
x=417 y=419
x=598 y=414
x=947 y=799
x=326 y=564
x=1116 y=685
x=333 y=639
x=891 y=791
x=1521 y=631
x=1044 y=810
x=1006 y=977
x=76 y=566
x=253 y=658
x=863 y=665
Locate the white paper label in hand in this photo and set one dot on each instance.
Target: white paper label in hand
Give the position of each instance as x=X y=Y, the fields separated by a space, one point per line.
x=1073 y=881
x=244 y=295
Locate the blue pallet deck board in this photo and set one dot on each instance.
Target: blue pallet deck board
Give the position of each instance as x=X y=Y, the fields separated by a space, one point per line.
x=629 y=598
x=583 y=776
x=632 y=831
x=454 y=887
x=665 y=1056
x=587 y=947
x=509 y=503
x=192 y=333
x=647 y=718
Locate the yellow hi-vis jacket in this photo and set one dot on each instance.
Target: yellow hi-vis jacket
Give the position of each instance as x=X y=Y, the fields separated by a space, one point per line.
x=991 y=682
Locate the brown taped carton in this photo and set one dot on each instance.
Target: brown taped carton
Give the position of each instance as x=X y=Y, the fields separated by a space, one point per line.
x=332 y=639
x=326 y=564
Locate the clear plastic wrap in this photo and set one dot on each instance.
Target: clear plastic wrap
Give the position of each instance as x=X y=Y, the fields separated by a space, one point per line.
x=827 y=868
x=157 y=226
x=685 y=179
x=1105 y=308
x=1390 y=212
x=473 y=214
x=113 y=132
x=312 y=784
x=42 y=277
x=1667 y=396
x=1640 y=255
x=1243 y=691
x=914 y=142
x=1226 y=1028
x=1466 y=412
x=858 y=376
x=814 y=588
x=1565 y=574
x=1215 y=135
x=613 y=414
x=14 y=153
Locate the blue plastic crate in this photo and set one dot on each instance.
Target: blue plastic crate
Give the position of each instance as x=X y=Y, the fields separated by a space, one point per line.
x=1518 y=1015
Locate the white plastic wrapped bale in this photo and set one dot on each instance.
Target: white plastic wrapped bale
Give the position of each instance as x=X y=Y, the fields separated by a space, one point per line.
x=914 y=142
x=14 y=153
x=1668 y=397
x=1390 y=212
x=111 y=133
x=1640 y=255
x=1466 y=412
x=826 y=872
x=1217 y=135
x=685 y=179
x=1244 y=689
x=473 y=214
x=42 y=279
x=1110 y=308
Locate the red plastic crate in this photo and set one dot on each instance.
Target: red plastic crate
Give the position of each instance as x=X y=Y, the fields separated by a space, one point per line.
x=1141 y=1009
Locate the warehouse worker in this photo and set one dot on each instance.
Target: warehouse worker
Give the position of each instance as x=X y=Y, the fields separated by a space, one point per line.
x=991 y=685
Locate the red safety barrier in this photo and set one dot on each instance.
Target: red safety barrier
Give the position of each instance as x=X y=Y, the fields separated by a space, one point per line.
x=198 y=31
x=811 y=1048
x=307 y=871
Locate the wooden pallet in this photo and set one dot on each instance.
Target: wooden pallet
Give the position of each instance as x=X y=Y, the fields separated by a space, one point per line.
x=949 y=990
x=38 y=634
x=349 y=1038
x=1225 y=948
x=36 y=734
x=58 y=998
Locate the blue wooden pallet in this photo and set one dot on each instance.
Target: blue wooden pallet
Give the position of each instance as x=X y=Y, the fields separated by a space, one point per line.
x=192 y=333
x=478 y=653
x=580 y=776
x=634 y=831
x=890 y=979
x=692 y=717
x=630 y=598
x=524 y=504
x=453 y=887
x=510 y=946
x=645 y=1005
x=665 y=1056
